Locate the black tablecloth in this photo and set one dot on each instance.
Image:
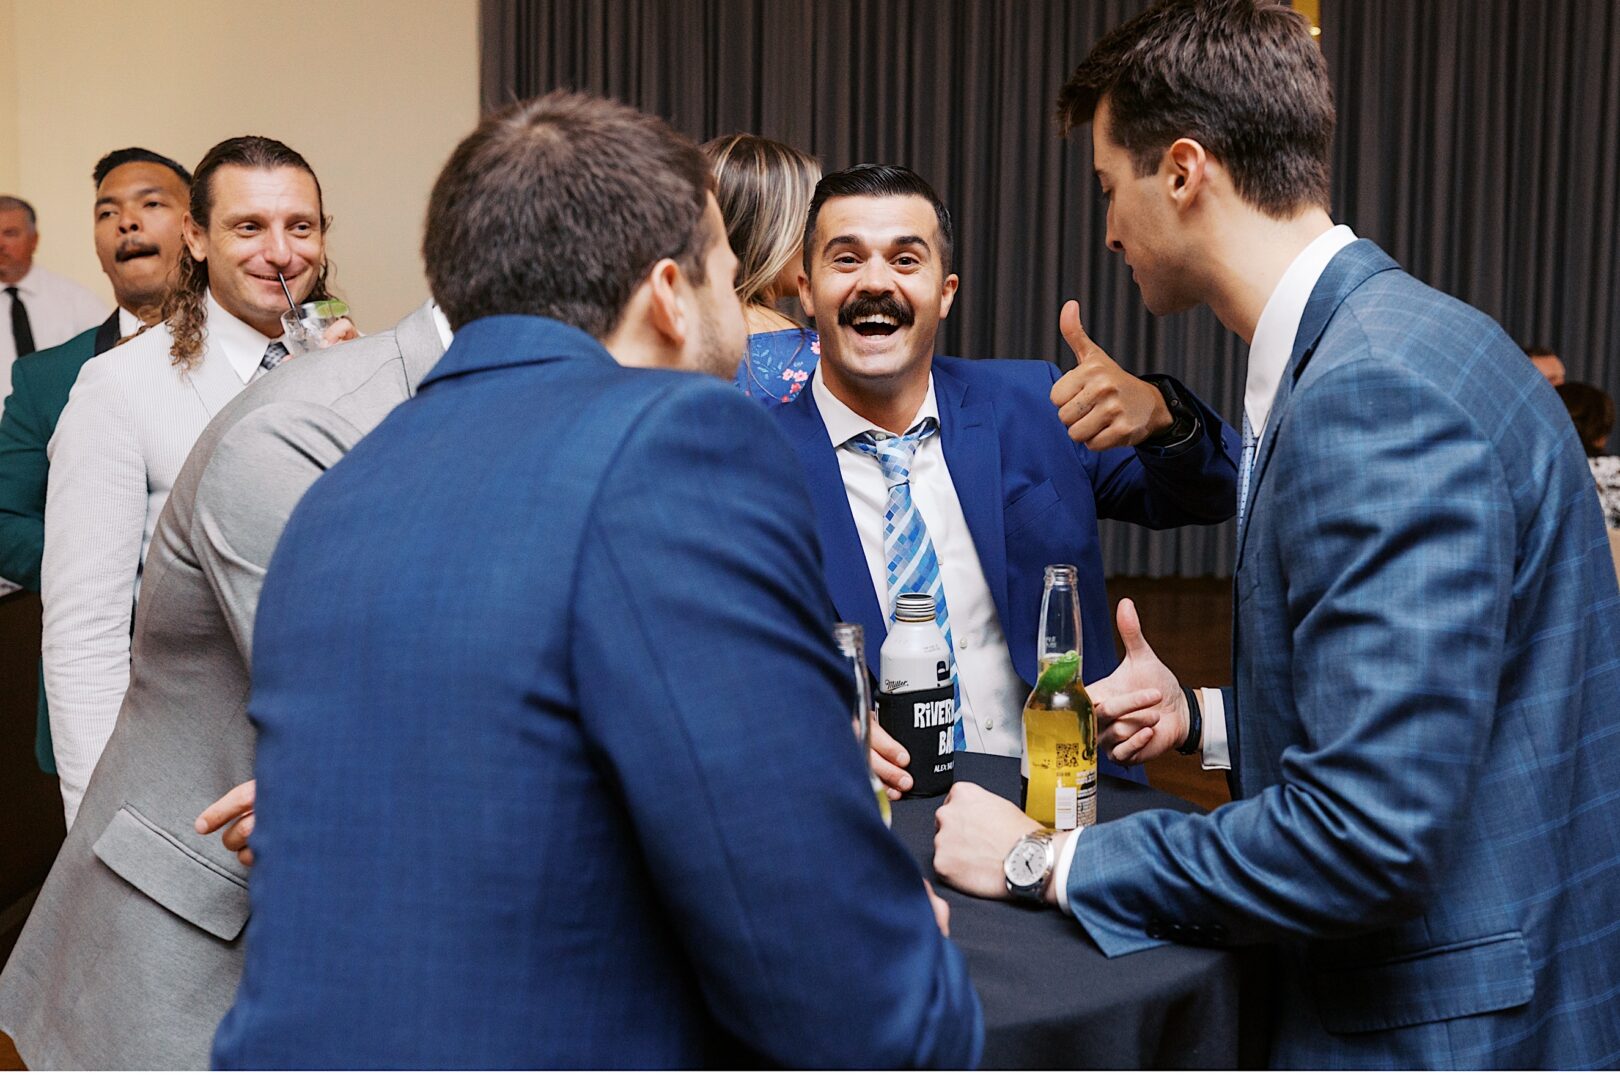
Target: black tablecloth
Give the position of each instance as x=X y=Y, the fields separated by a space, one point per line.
x=1052 y=1000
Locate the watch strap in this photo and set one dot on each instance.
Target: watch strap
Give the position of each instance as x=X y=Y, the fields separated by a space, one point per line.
x=1184 y=421
x=1195 y=723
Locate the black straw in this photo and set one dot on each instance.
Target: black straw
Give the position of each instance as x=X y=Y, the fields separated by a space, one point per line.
x=292 y=307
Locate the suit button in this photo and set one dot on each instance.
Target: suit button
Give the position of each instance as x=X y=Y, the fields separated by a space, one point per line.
x=1155 y=929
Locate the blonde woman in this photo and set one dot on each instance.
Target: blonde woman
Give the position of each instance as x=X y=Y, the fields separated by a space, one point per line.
x=764 y=195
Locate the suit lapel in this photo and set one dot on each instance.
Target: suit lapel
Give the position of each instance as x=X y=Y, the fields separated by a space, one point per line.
x=106 y=334
x=848 y=580
x=213 y=379
x=972 y=449
x=1348 y=270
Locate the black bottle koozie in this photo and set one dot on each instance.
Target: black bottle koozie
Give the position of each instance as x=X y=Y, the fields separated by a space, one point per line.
x=923 y=723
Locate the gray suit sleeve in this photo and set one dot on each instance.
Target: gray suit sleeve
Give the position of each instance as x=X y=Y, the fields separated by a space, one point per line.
x=257 y=474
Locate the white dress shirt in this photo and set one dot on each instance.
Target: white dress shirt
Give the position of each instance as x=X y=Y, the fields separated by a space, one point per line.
x=130 y=421
x=992 y=693
x=1269 y=352
x=58 y=309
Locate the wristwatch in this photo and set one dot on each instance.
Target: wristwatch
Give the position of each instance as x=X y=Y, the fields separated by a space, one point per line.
x=1028 y=866
x=1183 y=417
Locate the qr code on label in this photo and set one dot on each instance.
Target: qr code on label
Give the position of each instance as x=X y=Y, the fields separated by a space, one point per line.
x=1068 y=755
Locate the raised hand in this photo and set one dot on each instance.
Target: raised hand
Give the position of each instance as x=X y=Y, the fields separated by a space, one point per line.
x=1102 y=404
x=1141 y=711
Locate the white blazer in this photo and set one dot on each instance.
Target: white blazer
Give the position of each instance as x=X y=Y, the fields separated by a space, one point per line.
x=129 y=423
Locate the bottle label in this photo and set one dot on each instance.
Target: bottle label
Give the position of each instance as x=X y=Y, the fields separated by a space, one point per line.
x=1067 y=803
x=924 y=723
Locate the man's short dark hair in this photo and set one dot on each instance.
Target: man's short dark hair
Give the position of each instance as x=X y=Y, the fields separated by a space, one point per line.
x=131 y=154
x=560 y=206
x=1539 y=350
x=1242 y=77
x=1592 y=410
x=878 y=181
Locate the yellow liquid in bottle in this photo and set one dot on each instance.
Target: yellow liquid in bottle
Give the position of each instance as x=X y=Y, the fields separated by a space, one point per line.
x=1060 y=730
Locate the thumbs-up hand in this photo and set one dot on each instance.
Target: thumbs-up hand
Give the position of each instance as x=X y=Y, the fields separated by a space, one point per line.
x=1141 y=711
x=1101 y=403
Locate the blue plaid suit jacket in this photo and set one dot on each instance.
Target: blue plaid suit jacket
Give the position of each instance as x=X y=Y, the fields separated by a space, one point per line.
x=1427 y=719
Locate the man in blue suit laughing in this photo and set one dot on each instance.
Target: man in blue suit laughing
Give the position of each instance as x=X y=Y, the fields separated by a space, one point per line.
x=1424 y=733
x=555 y=765
x=1002 y=489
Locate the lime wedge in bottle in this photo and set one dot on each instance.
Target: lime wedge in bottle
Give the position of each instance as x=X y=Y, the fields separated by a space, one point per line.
x=1058 y=674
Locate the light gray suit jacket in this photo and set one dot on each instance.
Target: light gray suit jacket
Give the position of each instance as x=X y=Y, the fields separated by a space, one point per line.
x=131 y=954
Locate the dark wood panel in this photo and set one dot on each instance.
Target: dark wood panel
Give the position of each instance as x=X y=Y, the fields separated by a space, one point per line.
x=1188 y=621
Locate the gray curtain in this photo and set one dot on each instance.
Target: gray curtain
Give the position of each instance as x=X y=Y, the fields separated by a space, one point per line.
x=1477 y=143
x=962 y=91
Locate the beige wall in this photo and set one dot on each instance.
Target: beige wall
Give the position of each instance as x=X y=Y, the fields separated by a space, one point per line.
x=374 y=93
x=8 y=97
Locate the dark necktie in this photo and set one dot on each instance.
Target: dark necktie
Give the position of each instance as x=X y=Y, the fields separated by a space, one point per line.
x=21 y=331
x=274 y=353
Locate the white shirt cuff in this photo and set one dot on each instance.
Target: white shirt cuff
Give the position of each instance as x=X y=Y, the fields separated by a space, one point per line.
x=1065 y=860
x=1213 y=747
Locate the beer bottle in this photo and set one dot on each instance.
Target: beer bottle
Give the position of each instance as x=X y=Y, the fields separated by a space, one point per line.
x=851 y=639
x=1059 y=762
x=917 y=703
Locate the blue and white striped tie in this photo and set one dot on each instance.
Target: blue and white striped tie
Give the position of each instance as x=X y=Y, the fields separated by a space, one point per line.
x=908 y=553
x=1244 y=468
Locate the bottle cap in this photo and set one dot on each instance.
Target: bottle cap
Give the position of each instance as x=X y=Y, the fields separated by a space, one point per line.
x=914 y=607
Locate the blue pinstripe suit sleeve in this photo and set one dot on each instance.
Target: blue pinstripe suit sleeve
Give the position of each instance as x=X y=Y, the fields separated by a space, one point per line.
x=1399 y=546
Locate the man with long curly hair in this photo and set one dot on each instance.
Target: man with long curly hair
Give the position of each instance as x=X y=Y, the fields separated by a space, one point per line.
x=255 y=218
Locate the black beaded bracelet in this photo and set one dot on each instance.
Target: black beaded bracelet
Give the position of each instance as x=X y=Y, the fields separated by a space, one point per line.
x=1195 y=723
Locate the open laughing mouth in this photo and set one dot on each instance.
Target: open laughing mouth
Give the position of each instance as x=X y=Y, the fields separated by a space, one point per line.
x=875 y=316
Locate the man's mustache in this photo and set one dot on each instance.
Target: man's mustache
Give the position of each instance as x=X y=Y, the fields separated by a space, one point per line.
x=865 y=306
x=135 y=250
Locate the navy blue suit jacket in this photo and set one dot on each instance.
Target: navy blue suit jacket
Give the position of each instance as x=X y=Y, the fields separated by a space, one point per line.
x=555 y=766
x=1031 y=496
x=1427 y=721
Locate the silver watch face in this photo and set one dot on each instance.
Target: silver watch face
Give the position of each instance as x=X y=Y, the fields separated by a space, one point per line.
x=1026 y=864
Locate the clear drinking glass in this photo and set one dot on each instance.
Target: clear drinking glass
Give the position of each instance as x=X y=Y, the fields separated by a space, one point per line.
x=306 y=331
x=851 y=639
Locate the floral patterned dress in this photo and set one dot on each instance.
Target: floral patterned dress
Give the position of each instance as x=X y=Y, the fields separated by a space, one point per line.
x=778 y=366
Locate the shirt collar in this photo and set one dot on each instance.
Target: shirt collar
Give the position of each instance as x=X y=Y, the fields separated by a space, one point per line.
x=242 y=345
x=128 y=323
x=844 y=423
x=27 y=286
x=441 y=324
x=1279 y=322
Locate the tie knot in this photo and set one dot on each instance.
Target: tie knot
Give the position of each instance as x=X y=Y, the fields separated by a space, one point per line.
x=894 y=452
x=274 y=354
x=11 y=291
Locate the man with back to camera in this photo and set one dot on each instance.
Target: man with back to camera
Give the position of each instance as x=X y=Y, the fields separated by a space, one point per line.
x=38 y=309
x=255 y=216
x=525 y=813
x=135 y=890
x=1423 y=735
x=1001 y=488
x=140 y=202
